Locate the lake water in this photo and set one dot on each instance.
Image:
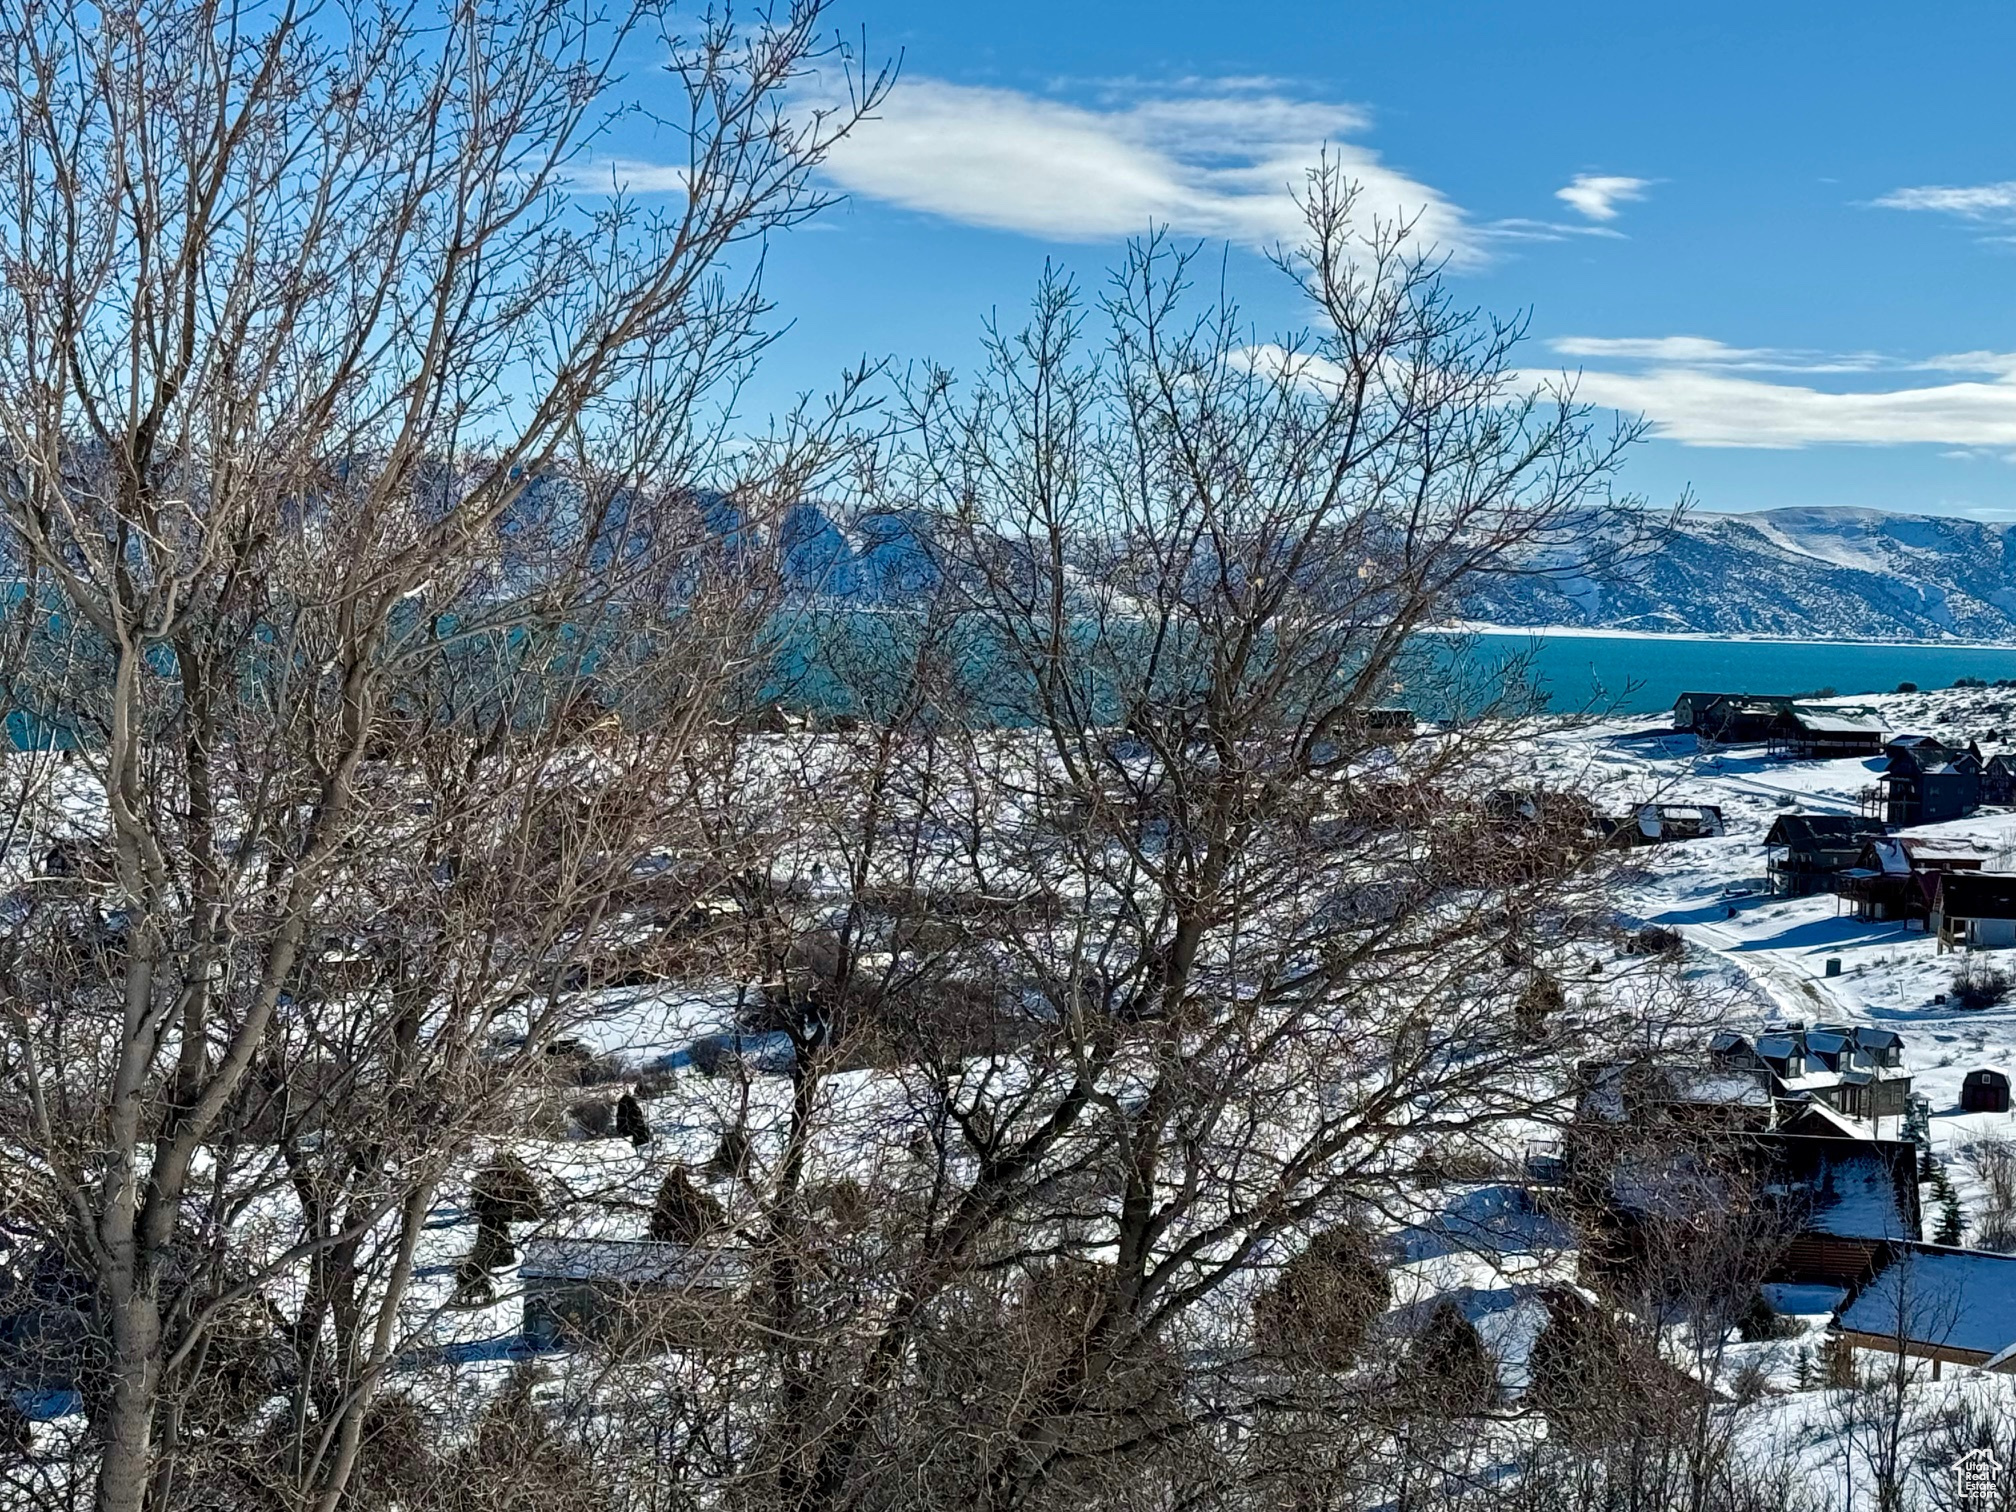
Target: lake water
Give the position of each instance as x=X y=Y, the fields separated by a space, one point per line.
x=1644 y=674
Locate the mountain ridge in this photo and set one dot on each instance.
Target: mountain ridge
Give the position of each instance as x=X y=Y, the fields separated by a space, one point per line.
x=1805 y=573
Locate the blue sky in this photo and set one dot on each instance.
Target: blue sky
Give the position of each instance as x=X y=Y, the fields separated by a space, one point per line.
x=1786 y=233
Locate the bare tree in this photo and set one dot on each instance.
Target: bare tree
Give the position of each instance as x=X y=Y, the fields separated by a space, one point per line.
x=357 y=456
x=1168 y=952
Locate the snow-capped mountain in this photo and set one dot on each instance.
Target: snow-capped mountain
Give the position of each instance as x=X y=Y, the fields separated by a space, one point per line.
x=1850 y=574
x=1804 y=573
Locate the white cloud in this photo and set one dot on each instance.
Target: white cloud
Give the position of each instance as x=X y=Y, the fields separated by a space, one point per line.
x=1700 y=406
x=1688 y=388
x=1217 y=161
x=1975 y=201
x=629 y=176
x=1276 y=361
x=1597 y=195
x=1693 y=349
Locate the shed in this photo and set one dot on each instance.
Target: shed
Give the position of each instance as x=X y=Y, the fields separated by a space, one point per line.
x=1985 y=1090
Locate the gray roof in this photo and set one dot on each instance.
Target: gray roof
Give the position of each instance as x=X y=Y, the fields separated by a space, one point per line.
x=635 y=1262
x=1949 y=1298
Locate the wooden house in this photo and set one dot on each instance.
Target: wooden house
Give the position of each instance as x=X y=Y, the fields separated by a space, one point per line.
x=1807 y=853
x=1809 y=732
x=1974 y=910
x=1924 y=784
x=1896 y=875
x=1730 y=718
x=1840 y=1200
x=1718 y=1098
x=1851 y=1199
x=626 y=1291
x=1934 y=1302
x=1998 y=778
x=1854 y=1070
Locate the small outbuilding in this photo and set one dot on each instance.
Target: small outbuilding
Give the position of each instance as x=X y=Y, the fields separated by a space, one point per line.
x=1985 y=1090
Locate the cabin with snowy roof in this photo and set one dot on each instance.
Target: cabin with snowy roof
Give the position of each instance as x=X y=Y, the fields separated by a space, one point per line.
x=1665 y=823
x=1935 y=1302
x=1998 y=778
x=1924 y=782
x=1975 y=910
x=1810 y=732
x=1807 y=853
x=1840 y=1199
x=1853 y=1071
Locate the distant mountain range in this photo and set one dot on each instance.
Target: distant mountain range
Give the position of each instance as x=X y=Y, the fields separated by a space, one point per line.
x=1857 y=574
x=1806 y=574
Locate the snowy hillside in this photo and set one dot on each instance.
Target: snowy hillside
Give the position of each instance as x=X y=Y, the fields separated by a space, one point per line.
x=1769 y=955
x=1806 y=573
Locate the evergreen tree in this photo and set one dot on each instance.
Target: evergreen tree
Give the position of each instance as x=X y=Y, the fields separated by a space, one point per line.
x=684 y=1213
x=1951 y=1222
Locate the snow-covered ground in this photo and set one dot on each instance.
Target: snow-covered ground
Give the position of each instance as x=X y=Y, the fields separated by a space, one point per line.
x=1775 y=952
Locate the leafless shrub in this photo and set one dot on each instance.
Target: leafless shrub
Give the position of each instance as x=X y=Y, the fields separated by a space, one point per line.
x=1979 y=986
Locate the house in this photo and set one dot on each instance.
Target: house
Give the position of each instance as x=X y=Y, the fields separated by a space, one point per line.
x=1924 y=784
x=1854 y=1071
x=1809 y=732
x=1850 y=1198
x=1807 y=853
x=1730 y=718
x=1998 y=778
x=626 y=1291
x=1664 y=823
x=1896 y=875
x=1935 y=1302
x=1985 y=1090
x=1719 y=1098
x=1974 y=910
x=1898 y=745
x=1836 y=1201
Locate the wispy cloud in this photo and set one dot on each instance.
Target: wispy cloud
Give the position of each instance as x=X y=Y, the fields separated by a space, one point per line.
x=1597 y=195
x=1971 y=201
x=1208 y=160
x=1692 y=389
x=1703 y=351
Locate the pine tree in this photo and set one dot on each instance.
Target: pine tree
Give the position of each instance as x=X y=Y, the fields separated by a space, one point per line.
x=684 y=1214
x=1951 y=1223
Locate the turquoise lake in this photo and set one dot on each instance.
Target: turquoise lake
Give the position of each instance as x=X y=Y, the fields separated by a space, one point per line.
x=1644 y=674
